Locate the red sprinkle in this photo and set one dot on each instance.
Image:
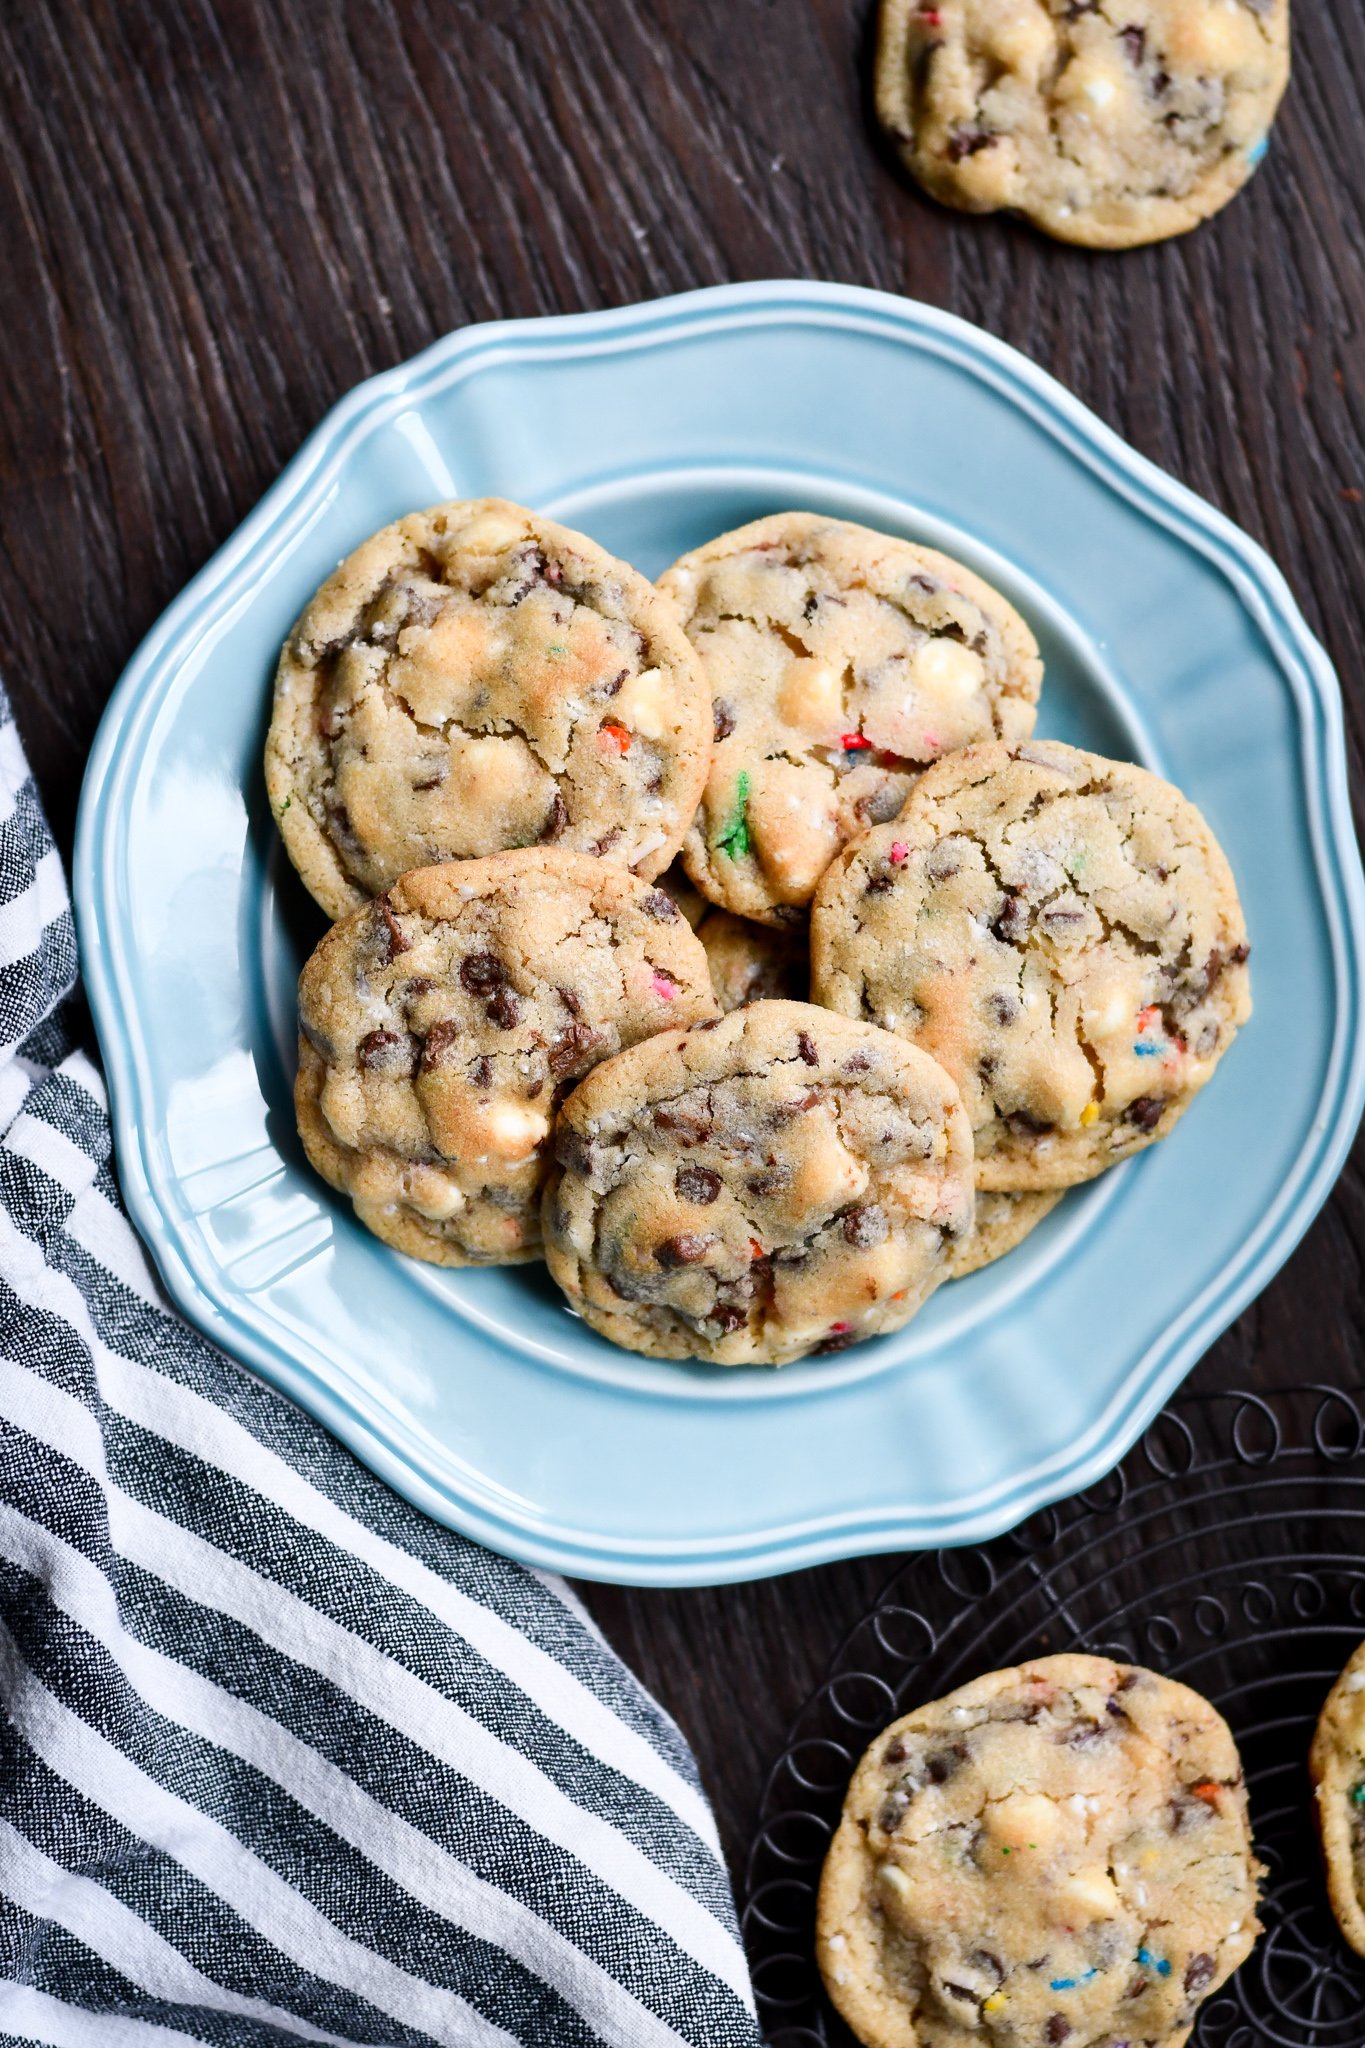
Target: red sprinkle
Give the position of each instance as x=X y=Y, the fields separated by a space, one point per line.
x=612 y=734
x=1148 y=1017
x=840 y=1329
x=899 y=850
x=756 y=1250
x=930 y=16
x=663 y=985
x=854 y=743
x=1207 y=1791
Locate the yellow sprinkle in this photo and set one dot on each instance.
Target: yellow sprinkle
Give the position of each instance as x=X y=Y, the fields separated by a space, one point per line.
x=995 y=2003
x=1090 y=1114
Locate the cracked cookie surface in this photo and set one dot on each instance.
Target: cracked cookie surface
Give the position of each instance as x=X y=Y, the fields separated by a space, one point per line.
x=475 y=678
x=1337 y=1767
x=1003 y=1221
x=1054 y=1854
x=1062 y=933
x=751 y=962
x=840 y=662
x=440 y=1024
x=1105 y=122
x=782 y=1182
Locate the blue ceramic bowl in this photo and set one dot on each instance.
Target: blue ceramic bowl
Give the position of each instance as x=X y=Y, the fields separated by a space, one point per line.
x=1169 y=638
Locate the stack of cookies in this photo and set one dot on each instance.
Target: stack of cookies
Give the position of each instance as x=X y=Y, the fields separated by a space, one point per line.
x=528 y=1033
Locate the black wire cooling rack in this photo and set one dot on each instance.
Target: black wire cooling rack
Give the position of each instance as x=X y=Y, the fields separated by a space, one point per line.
x=1227 y=1550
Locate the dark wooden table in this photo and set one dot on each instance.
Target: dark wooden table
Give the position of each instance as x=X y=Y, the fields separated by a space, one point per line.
x=218 y=215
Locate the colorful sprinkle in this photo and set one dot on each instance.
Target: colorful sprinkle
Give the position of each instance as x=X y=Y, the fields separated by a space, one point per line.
x=756 y=1250
x=995 y=2003
x=1206 y=1790
x=854 y=743
x=1147 y=1018
x=1151 y=1962
x=663 y=985
x=611 y=734
x=1257 y=152
x=1148 y=1052
x=1358 y=1795
x=1070 y=1983
x=840 y=1329
x=899 y=852
x=1090 y=1114
x=734 y=840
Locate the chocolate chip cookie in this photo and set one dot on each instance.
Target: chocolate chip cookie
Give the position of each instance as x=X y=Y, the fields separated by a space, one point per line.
x=475 y=678
x=1002 y=1223
x=1062 y=933
x=752 y=962
x=1337 y=1765
x=747 y=1192
x=1106 y=122
x=841 y=662
x=441 y=1023
x=1054 y=1854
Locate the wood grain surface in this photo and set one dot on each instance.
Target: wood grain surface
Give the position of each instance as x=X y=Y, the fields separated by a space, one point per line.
x=218 y=215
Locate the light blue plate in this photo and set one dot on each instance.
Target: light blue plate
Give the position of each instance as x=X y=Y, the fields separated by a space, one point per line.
x=1168 y=637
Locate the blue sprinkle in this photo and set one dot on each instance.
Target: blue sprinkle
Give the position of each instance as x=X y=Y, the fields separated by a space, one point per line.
x=1063 y=1984
x=1148 y=1052
x=1161 y=1966
x=1257 y=152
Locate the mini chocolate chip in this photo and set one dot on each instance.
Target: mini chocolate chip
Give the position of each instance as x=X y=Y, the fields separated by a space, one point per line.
x=418 y=986
x=727 y=1318
x=895 y=1752
x=570 y=1001
x=857 y=1063
x=1134 y=40
x=697 y=1183
x=797 y=1106
x=839 y=1342
x=988 y=1067
x=481 y=1073
x=1011 y=924
x=686 y=1249
x=941 y=1765
x=481 y=972
x=1240 y=955
x=606 y=842
x=503 y=1009
x=388 y=1052
x=397 y=943
x=967 y=141
x=660 y=904
x=930 y=585
x=770 y=1182
x=432 y=782
x=438 y=1042
x=536 y=1088
x=687 y=1126
x=1145 y=1112
x=556 y=819
x=806 y=1046
x=1199 y=1972
x=722 y=719
x=570 y=1047
x=1056 y=2030
x=942 y=864
x=1025 y=1126
x=879 y=885
x=866 y=1227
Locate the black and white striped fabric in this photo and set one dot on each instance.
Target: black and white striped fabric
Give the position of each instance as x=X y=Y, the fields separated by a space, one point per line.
x=280 y=1760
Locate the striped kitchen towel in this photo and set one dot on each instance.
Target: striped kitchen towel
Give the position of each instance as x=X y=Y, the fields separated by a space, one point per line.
x=281 y=1760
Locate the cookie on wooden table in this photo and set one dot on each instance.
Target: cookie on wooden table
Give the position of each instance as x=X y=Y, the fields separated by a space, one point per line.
x=440 y=1024
x=1105 y=122
x=475 y=678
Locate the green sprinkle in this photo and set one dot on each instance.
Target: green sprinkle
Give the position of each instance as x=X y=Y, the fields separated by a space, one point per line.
x=1358 y=1795
x=555 y=649
x=284 y=806
x=1004 y=1852
x=734 y=840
